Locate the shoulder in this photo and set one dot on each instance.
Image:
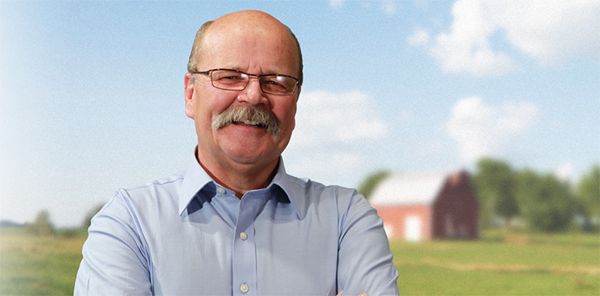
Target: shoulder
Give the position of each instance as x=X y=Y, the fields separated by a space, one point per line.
x=159 y=189
x=315 y=188
x=152 y=188
x=341 y=194
x=350 y=203
x=311 y=193
x=135 y=201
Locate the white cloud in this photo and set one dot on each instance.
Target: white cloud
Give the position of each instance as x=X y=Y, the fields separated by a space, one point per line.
x=326 y=117
x=482 y=129
x=334 y=137
x=550 y=30
x=566 y=171
x=321 y=165
x=547 y=31
x=466 y=47
x=420 y=37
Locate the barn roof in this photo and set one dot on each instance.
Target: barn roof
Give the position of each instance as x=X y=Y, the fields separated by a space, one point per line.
x=404 y=189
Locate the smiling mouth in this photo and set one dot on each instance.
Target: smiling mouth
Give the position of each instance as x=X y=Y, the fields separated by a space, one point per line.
x=250 y=123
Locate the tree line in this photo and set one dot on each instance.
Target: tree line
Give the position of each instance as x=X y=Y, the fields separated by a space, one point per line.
x=537 y=201
x=525 y=198
x=42 y=224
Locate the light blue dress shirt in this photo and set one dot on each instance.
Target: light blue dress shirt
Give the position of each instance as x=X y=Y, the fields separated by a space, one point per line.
x=187 y=235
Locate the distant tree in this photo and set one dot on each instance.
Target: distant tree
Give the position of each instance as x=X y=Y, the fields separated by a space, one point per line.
x=42 y=225
x=87 y=221
x=506 y=205
x=10 y=224
x=369 y=184
x=588 y=197
x=495 y=183
x=547 y=203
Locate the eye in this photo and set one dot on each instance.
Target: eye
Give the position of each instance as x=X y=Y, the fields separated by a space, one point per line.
x=232 y=77
x=274 y=83
x=228 y=77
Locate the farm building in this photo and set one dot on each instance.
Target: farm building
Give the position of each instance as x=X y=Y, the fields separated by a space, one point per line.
x=419 y=207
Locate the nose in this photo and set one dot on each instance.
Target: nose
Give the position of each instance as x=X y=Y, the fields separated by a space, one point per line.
x=252 y=93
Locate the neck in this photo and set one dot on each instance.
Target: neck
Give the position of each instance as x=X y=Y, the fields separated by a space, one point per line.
x=240 y=178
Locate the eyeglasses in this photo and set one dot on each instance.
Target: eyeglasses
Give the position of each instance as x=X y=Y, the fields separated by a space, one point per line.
x=228 y=79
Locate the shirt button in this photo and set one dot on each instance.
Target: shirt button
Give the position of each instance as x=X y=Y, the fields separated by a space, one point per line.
x=220 y=190
x=244 y=288
x=243 y=236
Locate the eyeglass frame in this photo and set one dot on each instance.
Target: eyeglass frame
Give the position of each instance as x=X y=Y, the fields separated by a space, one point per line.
x=258 y=77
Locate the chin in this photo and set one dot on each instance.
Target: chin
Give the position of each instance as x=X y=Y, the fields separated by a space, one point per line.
x=244 y=156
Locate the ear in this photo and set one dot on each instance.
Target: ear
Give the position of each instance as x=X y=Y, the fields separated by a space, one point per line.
x=188 y=92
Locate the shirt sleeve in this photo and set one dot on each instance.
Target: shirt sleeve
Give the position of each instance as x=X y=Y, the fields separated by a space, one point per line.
x=115 y=260
x=364 y=258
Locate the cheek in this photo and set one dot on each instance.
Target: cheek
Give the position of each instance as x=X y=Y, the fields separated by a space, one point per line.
x=209 y=106
x=286 y=113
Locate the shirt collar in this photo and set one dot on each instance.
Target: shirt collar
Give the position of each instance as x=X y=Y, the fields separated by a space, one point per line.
x=294 y=189
x=194 y=180
x=197 y=182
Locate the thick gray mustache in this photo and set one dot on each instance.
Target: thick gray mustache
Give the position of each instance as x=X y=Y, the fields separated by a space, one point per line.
x=251 y=115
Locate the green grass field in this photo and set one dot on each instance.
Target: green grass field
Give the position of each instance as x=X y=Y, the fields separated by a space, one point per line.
x=498 y=264
x=31 y=265
x=514 y=264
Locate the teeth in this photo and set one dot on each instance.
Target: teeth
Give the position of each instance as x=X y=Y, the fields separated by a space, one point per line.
x=248 y=122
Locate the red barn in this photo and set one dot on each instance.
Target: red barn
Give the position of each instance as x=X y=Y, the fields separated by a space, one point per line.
x=419 y=207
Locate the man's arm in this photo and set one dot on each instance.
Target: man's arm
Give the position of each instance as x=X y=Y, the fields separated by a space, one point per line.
x=114 y=261
x=364 y=258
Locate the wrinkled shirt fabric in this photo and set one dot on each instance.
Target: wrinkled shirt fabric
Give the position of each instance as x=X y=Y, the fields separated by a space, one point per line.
x=188 y=235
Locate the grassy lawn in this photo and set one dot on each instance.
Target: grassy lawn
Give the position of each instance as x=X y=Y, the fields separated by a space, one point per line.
x=31 y=265
x=498 y=264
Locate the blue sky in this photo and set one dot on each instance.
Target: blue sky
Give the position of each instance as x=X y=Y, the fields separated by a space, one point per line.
x=91 y=93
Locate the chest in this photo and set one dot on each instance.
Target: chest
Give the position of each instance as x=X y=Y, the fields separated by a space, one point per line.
x=273 y=253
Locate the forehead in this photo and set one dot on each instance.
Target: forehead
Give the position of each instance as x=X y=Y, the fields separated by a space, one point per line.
x=244 y=43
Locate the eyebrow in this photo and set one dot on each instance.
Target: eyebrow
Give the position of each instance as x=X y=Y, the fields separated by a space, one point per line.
x=265 y=73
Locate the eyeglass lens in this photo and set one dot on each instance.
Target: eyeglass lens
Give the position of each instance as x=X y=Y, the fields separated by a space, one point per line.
x=234 y=80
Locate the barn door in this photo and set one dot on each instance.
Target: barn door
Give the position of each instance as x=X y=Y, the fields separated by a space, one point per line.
x=413 y=228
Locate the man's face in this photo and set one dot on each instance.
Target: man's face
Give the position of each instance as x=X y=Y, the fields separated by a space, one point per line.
x=253 y=49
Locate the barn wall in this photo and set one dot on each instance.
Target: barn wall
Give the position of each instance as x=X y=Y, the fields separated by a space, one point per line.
x=395 y=220
x=456 y=210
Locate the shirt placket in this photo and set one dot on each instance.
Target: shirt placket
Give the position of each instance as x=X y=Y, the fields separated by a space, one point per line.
x=244 y=247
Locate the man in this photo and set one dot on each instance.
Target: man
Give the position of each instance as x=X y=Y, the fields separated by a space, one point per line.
x=235 y=223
